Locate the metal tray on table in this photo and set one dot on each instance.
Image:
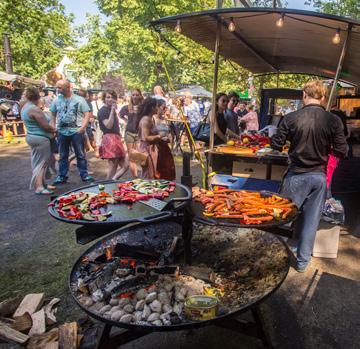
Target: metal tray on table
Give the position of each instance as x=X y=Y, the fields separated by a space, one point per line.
x=122 y=213
x=198 y=209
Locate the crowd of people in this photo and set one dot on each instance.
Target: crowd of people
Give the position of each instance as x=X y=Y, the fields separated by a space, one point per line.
x=132 y=134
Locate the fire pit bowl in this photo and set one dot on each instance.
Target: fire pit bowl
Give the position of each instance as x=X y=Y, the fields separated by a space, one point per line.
x=247 y=265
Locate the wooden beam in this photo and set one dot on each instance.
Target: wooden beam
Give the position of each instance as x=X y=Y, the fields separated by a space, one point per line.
x=215 y=81
x=339 y=67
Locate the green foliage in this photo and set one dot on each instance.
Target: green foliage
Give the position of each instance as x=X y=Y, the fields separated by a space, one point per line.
x=39 y=30
x=348 y=8
x=126 y=45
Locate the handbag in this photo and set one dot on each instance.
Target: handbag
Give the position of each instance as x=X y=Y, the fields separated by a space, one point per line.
x=202 y=132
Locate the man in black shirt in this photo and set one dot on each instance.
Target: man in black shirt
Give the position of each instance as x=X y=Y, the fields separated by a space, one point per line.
x=313 y=133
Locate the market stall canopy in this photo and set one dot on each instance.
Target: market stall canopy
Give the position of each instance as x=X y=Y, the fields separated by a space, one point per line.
x=19 y=80
x=196 y=91
x=303 y=44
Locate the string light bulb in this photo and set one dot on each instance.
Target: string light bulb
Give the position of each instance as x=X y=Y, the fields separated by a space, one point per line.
x=178 y=26
x=199 y=65
x=177 y=56
x=336 y=38
x=280 y=21
x=231 y=26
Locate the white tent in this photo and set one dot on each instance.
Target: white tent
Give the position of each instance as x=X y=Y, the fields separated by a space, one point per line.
x=196 y=91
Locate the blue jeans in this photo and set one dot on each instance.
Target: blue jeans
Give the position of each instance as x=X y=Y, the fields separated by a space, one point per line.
x=308 y=192
x=77 y=141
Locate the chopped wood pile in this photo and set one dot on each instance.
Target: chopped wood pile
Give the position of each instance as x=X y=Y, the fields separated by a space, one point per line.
x=30 y=322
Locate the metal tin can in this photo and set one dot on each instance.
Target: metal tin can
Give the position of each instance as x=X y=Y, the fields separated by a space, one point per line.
x=201 y=307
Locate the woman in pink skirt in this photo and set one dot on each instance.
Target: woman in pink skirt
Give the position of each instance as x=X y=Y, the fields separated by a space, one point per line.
x=112 y=147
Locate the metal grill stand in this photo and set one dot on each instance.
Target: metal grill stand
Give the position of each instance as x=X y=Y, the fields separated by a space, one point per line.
x=112 y=338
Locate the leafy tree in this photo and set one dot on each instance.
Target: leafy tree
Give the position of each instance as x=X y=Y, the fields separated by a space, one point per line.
x=39 y=30
x=126 y=45
x=348 y=8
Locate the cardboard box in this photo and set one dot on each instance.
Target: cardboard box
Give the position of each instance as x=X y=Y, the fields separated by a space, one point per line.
x=326 y=241
x=254 y=170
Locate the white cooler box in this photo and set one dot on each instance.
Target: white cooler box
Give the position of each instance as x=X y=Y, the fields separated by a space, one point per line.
x=326 y=241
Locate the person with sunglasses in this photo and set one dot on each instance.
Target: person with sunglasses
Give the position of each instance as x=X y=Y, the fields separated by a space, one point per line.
x=72 y=115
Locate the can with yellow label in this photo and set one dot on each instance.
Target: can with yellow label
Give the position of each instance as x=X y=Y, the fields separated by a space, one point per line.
x=201 y=307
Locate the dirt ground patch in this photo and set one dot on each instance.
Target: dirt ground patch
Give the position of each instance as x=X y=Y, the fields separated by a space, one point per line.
x=318 y=309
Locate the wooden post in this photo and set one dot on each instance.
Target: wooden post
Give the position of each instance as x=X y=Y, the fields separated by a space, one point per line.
x=7 y=54
x=338 y=69
x=215 y=80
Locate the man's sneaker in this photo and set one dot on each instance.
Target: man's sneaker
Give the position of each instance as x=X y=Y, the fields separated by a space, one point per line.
x=301 y=269
x=87 y=179
x=293 y=249
x=60 y=180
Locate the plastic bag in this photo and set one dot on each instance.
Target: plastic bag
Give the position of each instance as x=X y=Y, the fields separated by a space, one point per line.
x=333 y=212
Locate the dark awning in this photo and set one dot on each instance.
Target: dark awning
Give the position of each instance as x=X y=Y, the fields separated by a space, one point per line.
x=303 y=45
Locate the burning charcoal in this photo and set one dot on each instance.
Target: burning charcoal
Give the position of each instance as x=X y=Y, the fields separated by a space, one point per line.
x=141 y=294
x=113 y=309
x=129 y=308
x=163 y=298
x=126 y=318
x=150 y=297
x=104 y=309
x=123 y=302
x=137 y=316
x=168 y=279
x=97 y=306
x=107 y=315
x=82 y=287
x=140 y=305
x=122 y=272
x=146 y=312
x=179 y=283
x=174 y=319
x=168 y=287
x=153 y=317
x=87 y=301
x=156 y=306
x=183 y=291
x=98 y=296
x=152 y=288
x=177 y=308
x=165 y=316
x=115 y=316
x=133 y=301
x=179 y=297
x=157 y=323
x=114 y=301
x=167 y=308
